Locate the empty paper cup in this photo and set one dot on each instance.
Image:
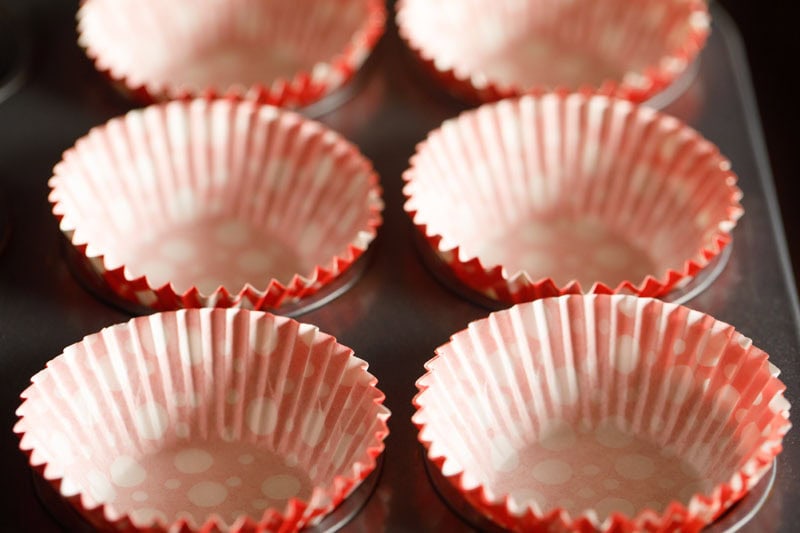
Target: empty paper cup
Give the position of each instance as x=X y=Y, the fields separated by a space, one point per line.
x=598 y=412
x=276 y=52
x=484 y=50
x=204 y=420
x=216 y=203
x=542 y=196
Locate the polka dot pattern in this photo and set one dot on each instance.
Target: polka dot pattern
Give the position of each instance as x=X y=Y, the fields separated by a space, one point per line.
x=614 y=471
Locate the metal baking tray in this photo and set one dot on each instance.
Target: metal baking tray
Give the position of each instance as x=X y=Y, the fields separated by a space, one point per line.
x=398 y=312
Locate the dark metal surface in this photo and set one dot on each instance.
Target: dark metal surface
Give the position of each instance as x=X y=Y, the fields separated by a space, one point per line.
x=397 y=313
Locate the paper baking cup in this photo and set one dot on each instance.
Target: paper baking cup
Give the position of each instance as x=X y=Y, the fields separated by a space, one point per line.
x=542 y=196
x=216 y=203
x=275 y=52
x=601 y=412
x=631 y=50
x=204 y=420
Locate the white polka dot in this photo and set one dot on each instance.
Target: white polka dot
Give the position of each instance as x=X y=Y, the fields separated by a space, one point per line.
x=626 y=358
x=281 y=487
x=778 y=403
x=590 y=470
x=151 y=420
x=193 y=461
x=233 y=481
x=730 y=371
x=679 y=346
x=611 y=483
x=558 y=437
x=182 y=430
x=607 y=506
x=567 y=393
x=759 y=399
x=178 y=250
x=262 y=416
x=552 y=472
x=100 y=488
x=503 y=454
x=254 y=262
x=228 y=434
x=634 y=466
x=127 y=472
x=246 y=459
x=194 y=356
x=324 y=390
x=307 y=333
x=291 y=460
x=232 y=232
x=726 y=398
x=147 y=516
x=139 y=496
x=172 y=483
x=586 y=493
x=207 y=494
x=314 y=427
x=627 y=306
x=680 y=380
x=263 y=340
x=109 y=376
x=259 y=504
x=609 y=435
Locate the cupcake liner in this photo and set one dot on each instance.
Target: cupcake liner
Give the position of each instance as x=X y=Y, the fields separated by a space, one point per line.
x=274 y=52
x=543 y=196
x=216 y=203
x=630 y=50
x=207 y=419
x=601 y=412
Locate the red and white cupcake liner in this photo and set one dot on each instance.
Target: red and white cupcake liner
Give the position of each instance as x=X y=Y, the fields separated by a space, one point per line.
x=601 y=412
x=542 y=196
x=204 y=420
x=281 y=53
x=630 y=50
x=216 y=203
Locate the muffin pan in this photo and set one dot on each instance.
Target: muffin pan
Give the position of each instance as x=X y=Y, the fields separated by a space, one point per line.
x=397 y=313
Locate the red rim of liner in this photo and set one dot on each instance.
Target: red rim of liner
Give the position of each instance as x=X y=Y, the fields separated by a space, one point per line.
x=303 y=88
x=297 y=514
x=493 y=280
x=139 y=290
x=702 y=508
x=638 y=87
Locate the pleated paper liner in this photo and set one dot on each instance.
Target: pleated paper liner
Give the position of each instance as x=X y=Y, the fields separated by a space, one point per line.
x=542 y=196
x=216 y=203
x=630 y=50
x=203 y=419
x=275 y=52
x=601 y=412
x=740 y=514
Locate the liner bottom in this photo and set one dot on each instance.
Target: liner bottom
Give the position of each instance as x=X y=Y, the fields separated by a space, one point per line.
x=735 y=518
x=680 y=295
x=94 y=284
x=62 y=513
